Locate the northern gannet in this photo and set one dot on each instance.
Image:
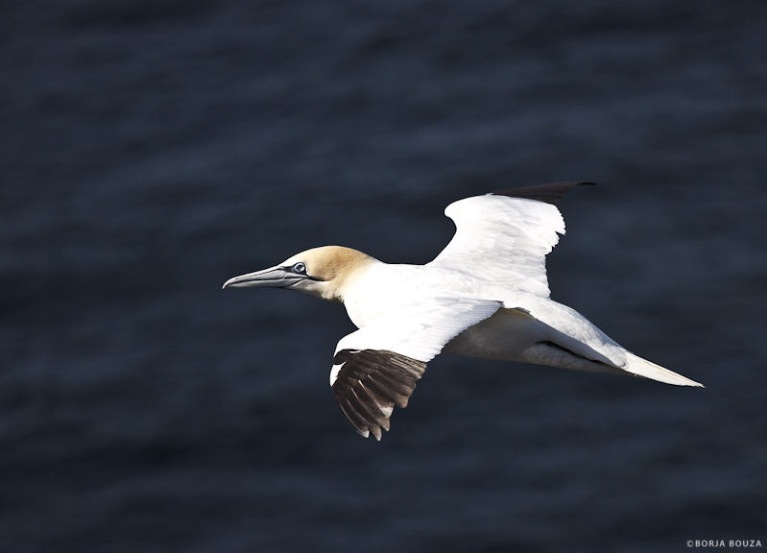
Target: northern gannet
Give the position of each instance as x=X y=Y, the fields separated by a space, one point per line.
x=485 y=295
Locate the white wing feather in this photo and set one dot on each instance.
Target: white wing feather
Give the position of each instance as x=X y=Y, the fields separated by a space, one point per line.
x=419 y=329
x=504 y=240
x=376 y=367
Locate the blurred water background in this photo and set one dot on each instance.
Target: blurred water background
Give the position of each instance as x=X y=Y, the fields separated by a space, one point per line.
x=149 y=150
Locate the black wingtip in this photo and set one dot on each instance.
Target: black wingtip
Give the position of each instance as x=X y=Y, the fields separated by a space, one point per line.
x=370 y=383
x=548 y=193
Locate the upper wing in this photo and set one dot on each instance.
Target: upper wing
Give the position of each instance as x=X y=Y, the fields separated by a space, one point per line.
x=376 y=367
x=505 y=236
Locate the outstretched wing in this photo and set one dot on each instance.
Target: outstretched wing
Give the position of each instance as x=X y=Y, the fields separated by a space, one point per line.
x=505 y=236
x=376 y=367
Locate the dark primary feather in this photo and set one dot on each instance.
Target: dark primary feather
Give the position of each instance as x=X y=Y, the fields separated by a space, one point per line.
x=371 y=383
x=549 y=193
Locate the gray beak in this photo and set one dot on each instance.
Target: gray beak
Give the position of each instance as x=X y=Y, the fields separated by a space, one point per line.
x=274 y=277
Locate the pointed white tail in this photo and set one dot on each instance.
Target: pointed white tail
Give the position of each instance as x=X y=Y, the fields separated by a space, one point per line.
x=648 y=369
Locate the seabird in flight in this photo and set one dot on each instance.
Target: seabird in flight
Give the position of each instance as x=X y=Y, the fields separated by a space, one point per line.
x=485 y=295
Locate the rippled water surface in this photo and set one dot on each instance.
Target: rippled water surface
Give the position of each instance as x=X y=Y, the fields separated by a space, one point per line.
x=150 y=150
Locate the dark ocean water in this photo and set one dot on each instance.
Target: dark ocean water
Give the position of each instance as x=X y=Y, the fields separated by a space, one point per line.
x=152 y=149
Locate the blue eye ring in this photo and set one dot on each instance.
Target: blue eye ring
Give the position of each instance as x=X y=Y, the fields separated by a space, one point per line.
x=299 y=268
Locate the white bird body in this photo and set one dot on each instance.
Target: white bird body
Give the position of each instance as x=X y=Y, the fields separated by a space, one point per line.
x=515 y=332
x=485 y=295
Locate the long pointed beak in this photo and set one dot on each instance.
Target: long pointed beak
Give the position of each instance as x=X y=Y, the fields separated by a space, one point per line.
x=273 y=277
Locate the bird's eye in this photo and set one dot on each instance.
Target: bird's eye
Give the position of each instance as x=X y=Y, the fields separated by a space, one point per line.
x=299 y=268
